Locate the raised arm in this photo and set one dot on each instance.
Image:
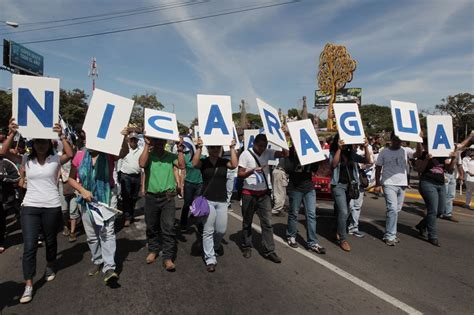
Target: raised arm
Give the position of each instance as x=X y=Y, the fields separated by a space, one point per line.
x=124 y=150
x=143 y=160
x=196 y=162
x=5 y=150
x=181 y=163
x=68 y=152
x=337 y=155
x=234 y=161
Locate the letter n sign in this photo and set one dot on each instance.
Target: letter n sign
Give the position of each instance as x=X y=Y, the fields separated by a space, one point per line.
x=35 y=105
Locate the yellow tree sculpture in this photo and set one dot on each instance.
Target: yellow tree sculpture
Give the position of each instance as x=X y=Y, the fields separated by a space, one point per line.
x=336 y=67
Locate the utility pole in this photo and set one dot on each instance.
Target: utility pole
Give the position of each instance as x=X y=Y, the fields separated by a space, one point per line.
x=93 y=72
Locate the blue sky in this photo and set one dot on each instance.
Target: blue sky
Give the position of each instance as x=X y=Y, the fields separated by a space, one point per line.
x=417 y=51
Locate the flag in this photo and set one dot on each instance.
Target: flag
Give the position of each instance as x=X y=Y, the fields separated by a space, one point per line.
x=100 y=212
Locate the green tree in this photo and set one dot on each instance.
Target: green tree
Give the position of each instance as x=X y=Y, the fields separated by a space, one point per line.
x=293 y=112
x=376 y=118
x=147 y=100
x=5 y=109
x=254 y=120
x=182 y=128
x=73 y=107
x=461 y=108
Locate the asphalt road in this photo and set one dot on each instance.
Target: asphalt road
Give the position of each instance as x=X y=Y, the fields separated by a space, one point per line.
x=373 y=278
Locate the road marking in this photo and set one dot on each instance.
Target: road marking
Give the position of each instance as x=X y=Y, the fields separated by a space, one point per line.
x=359 y=282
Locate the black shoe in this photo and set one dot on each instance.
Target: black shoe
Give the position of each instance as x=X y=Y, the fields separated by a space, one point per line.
x=220 y=251
x=273 y=257
x=211 y=268
x=247 y=252
x=434 y=242
x=420 y=229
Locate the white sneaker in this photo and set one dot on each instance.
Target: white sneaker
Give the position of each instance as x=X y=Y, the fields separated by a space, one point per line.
x=49 y=274
x=27 y=295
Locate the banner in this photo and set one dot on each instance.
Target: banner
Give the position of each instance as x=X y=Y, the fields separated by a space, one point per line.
x=272 y=124
x=161 y=125
x=406 y=122
x=305 y=141
x=215 y=119
x=106 y=117
x=35 y=105
x=440 y=135
x=349 y=123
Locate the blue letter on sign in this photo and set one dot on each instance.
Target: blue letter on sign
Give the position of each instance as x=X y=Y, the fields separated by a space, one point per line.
x=26 y=99
x=273 y=123
x=440 y=137
x=250 y=144
x=355 y=131
x=307 y=143
x=215 y=120
x=400 y=126
x=104 y=125
x=152 y=122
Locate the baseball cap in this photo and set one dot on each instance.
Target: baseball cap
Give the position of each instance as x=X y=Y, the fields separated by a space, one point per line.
x=133 y=135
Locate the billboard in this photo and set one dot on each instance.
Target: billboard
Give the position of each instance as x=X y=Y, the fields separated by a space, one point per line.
x=16 y=56
x=347 y=95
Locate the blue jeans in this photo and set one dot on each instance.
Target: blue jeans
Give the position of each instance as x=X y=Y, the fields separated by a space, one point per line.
x=355 y=206
x=434 y=196
x=341 y=206
x=215 y=226
x=394 y=197
x=309 y=200
x=101 y=242
x=450 y=194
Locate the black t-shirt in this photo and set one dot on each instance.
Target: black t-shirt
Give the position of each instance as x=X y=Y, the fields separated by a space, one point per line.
x=217 y=190
x=434 y=171
x=301 y=177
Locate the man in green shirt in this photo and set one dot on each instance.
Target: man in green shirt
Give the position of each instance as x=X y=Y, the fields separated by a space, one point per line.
x=160 y=188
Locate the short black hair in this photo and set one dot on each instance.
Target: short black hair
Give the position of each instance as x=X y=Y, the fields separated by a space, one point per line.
x=260 y=138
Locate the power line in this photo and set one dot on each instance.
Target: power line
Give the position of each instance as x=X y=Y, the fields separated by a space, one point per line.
x=184 y=4
x=217 y=14
x=98 y=15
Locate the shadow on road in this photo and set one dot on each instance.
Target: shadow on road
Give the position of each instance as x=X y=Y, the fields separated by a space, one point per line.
x=10 y=293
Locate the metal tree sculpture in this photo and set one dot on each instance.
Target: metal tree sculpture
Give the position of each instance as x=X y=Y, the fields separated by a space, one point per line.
x=336 y=68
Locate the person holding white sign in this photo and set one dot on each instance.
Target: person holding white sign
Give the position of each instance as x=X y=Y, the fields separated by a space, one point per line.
x=345 y=182
x=214 y=174
x=392 y=165
x=160 y=187
x=42 y=203
x=92 y=176
x=432 y=189
x=253 y=168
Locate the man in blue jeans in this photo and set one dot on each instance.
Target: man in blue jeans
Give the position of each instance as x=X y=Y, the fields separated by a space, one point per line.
x=301 y=188
x=391 y=164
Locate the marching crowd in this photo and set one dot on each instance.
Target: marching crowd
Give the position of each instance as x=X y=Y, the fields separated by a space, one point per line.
x=53 y=185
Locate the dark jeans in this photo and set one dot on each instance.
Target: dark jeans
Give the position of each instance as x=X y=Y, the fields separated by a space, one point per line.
x=434 y=196
x=191 y=191
x=159 y=219
x=3 y=223
x=32 y=218
x=262 y=205
x=341 y=208
x=130 y=185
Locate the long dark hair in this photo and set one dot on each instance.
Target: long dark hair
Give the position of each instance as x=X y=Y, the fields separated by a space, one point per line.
x=34 y=155
x=346 y=151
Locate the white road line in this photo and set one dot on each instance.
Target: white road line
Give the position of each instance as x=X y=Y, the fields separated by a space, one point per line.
x=359 y=282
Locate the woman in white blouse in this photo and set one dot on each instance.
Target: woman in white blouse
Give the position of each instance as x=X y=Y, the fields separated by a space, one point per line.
x=42 y=204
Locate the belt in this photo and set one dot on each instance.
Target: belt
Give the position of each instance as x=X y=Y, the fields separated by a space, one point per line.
x=163 y=194
x=132 y=175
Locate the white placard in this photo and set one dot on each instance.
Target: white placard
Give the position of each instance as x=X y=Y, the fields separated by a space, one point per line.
x=305 y=140
x=161 y=125
x=406 y=122
x=349 y=123
x=35 y=105
x=236 y=137
x=272 y=124
x=215 y=119
x=106 y=117
x=440 y=135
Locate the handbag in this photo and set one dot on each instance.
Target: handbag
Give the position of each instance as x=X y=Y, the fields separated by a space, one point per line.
x=363 y=179
x=200 y=205
x=353 y=187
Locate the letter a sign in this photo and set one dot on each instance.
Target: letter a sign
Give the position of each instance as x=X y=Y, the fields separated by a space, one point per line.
x=35 y=105
x=106 y=116
x=305 y=141
x=349 y=123
x=215 y=119
x=440 y=135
